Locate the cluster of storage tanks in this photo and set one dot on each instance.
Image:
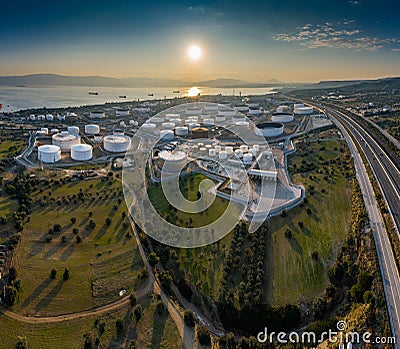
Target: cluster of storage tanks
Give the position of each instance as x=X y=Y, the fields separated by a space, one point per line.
x=195 y=121
x=47 y=117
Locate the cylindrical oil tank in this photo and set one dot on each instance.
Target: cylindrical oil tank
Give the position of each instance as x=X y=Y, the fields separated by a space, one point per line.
x=181 y=131
x=116 y=143
x=65 y=140
x=81 y=152
x=92 y=129
x=49 y=154
x=73 y=130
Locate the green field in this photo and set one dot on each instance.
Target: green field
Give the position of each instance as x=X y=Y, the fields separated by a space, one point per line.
x=189 y=187
x=152 y=331
x=8 y=146
x=292 y=274
x=105 y=262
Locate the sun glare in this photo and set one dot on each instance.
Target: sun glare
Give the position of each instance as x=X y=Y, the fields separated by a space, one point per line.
x=193 y=92
x=194 y=52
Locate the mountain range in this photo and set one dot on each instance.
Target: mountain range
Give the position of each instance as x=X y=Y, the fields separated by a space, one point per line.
x=101 y=81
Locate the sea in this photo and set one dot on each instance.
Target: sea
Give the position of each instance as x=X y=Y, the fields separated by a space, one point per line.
x=32 y=97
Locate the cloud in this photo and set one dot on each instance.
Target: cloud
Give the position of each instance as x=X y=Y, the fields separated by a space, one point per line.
x=326 y=35
x=197 y=9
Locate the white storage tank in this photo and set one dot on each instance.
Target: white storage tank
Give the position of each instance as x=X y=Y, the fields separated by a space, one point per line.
x=81 y=152
x=149 y=126
x=116 y=143
x=172 y=161
x=73 y=130
x=171 y=116
x=167 y=135
x=45 y=130
x=229 y=150
x=282 y=117
x=133 y=123
x=254 y=111
x=218 y=148
x=243 y=108
x=61 y=117
x=41 y=117
x=181 y=131
x=283 y=109
x=92 y=129
x=54 y=130
x=303 y=110
x=208 y=122
x=157 y=120
x=49 y=117
x=244 y=148
x=247 y=159
x=176 y=121
x=193 y=111
x=121 y=112
x=212 y=153
x=269 y=129
x=65 y=141
x=222 y=155
x=168 y=125
x=49 y=154
x=97 y=114
x=32 y=117
x=239 y=153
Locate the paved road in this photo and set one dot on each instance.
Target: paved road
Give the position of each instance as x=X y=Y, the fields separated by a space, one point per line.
x=383 y=172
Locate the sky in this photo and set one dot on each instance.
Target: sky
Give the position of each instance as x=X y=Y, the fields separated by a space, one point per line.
x=292 y=41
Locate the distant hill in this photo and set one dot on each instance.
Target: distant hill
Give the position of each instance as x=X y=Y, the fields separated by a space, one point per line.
x=101 y=81
x=94 y=81
x=389 y=85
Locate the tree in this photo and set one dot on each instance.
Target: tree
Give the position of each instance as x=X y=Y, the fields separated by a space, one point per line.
x=12 y=274
x=21 y=343
x=153 y=259
x=120 y=326
x=133 y=300
x=66 y=274
x=73 y=220
x=78 y=239
x=138 y=312
x=88 y=341
x=132 y=344
x=288 y=233
x=53 y=273
x=108 y=221
x=189 y=318
x=319 y=307
x=10 y=295
x=203 y=335
x=165 y=279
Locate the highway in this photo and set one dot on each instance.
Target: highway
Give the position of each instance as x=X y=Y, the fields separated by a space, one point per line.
x=388 y=177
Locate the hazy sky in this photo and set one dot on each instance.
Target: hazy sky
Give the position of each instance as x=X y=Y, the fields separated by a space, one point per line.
x=252 y=40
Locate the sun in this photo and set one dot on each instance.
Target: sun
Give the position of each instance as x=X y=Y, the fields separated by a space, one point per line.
x=194 y=52
x=193 y=92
